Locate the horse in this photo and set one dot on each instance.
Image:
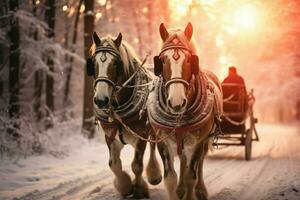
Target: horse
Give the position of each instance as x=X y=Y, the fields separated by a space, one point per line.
x=120 y=94
x=184 y=108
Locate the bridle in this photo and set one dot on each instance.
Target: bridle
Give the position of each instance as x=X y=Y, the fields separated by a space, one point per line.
x=158 y=65
x=116 y=88
x=106 y=79
x=176 y=79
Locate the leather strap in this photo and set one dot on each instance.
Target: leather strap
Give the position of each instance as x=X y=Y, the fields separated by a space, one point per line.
x=104 y=79
x=168 y=47
x=108 y=49
x=177 y=80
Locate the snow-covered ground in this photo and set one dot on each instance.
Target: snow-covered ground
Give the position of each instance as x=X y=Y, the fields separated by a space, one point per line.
x=273 y=173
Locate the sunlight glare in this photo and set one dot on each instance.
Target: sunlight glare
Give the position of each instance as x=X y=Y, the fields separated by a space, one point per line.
x=98 y=15
x=246 y=17
x=179 y=8
x=65 y=8
x=102 y=2
x=82 y=8
x=223 y=60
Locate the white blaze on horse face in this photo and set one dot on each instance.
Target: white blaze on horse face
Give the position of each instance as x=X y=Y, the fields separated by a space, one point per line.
x=176 y=92
x=102 y=89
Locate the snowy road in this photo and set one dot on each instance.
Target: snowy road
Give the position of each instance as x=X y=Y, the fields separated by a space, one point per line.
x=273 y=173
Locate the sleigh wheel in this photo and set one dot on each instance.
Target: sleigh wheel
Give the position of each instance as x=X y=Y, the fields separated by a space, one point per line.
x=248 y=144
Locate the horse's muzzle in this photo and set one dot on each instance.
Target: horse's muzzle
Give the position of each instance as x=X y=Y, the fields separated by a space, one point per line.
x=101 y=103
x=177 y=108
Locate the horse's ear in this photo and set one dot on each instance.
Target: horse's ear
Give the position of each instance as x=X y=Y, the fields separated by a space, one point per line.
x=158 y=66
x=118 y=40
x=90 y=70
x=96 y=39
x=163 y=32
x=194 y=64
x=189 y=31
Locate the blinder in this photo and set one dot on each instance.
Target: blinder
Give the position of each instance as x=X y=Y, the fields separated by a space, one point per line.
x=90 y=68
x=158 y=66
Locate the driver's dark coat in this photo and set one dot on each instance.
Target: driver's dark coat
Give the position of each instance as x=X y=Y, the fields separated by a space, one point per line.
x=236 y=79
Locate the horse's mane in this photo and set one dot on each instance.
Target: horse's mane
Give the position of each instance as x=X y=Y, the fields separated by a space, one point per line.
x=122 y=49
x=181 y=36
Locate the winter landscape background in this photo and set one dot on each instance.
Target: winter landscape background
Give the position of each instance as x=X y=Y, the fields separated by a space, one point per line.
x=44 y=146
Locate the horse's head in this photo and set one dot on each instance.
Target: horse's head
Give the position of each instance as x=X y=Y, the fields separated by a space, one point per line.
x=177 y=63
x=106 y=66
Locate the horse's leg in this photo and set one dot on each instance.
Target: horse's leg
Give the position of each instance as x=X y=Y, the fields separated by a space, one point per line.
x=153 y=170
x=140 y=188
x=122 y=181
x=190 y=175
x=181 y=188
x=170 y=176
x=200 y=189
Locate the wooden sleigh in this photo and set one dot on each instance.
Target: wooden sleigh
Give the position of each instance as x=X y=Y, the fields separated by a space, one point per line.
x=238 y=121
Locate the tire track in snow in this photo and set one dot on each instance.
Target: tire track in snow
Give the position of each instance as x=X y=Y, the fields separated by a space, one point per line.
x=74 y=189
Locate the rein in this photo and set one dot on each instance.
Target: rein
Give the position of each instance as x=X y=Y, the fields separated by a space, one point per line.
x=125 y=84
x=173 y=131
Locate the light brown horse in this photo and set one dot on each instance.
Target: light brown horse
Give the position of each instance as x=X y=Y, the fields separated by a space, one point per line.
x=118 y=104
x=185 y=104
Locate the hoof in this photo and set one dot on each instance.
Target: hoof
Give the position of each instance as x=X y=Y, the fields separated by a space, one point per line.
x=123 y=184
x=201 y=196
x=180 y=192
x=141 y=194
x=155 y=181
x=140 y=190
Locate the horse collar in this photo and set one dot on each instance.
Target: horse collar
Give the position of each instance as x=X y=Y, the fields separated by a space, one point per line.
x=195 y=116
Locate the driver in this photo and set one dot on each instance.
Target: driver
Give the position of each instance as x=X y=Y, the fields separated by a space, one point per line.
x=234 y=78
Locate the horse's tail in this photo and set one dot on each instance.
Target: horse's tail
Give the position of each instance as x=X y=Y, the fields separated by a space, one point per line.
x=153 y=169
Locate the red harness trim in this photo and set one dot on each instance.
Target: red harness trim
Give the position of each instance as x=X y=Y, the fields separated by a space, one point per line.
x=180 y=132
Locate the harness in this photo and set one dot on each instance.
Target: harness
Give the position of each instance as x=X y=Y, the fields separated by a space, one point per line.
x=134 y=108
x=196 y=116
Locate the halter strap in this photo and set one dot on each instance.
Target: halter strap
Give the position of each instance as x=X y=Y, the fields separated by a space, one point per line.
x=104 y=79
x=107 y=49
x=177 y=80
x=168 y=47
